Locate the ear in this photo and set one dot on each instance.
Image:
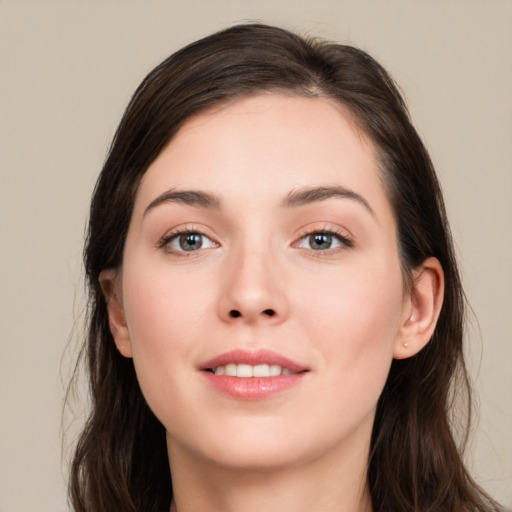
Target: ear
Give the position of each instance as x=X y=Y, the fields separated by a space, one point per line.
x=109 y=282
x=421 y=309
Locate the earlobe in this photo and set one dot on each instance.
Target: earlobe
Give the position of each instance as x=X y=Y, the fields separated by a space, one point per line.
x=421 y=310
x=109 y=284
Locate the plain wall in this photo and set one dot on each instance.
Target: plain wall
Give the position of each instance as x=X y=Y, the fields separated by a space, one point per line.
x=67 y=71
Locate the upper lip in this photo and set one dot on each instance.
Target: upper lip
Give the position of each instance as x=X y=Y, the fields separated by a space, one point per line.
x=253 y=358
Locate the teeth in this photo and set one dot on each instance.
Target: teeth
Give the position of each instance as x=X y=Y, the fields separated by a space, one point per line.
x=261 y=370
x=246 y=370
x=230 y=370
x=275 y=370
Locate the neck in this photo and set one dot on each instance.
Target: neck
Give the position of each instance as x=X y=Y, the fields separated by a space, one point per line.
x=333 y=482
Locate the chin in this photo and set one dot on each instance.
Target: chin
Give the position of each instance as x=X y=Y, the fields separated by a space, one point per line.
x=256 y=458
x=251 y=446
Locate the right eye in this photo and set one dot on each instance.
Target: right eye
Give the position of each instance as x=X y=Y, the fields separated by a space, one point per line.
x=188 y=241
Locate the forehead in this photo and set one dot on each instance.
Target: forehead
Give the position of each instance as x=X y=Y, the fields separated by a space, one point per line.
x=265 y=146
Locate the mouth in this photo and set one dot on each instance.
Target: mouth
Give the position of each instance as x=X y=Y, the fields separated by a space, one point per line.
x=250 y=371
x=248 y=364
x=249 y=375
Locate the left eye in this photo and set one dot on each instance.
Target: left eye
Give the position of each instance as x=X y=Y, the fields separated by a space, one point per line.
x=323 y=241
x=189 y=242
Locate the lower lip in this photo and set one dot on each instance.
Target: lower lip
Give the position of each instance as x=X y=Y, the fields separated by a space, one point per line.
x=253 y=388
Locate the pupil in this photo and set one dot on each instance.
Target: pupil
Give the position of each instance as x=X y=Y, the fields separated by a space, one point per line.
x=320 y=241
x=190 y=241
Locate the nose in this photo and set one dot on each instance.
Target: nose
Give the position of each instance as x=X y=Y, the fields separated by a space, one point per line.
x=253 y=289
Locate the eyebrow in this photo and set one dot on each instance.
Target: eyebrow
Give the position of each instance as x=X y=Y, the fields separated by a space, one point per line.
x=308 y=195
x=195 y=198
x=300 y=197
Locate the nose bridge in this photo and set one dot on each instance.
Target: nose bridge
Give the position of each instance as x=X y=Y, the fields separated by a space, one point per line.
x=252 y=289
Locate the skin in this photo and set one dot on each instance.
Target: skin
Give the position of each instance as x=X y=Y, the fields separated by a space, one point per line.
x=341 y=312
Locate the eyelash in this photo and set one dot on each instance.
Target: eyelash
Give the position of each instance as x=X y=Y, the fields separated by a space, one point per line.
x=168 y=238
x=344 y=241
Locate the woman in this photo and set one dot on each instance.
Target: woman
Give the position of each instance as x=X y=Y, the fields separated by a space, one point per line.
x=276 y=314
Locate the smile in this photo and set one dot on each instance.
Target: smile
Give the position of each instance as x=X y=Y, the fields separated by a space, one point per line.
x=248 y=371
x=246 y=375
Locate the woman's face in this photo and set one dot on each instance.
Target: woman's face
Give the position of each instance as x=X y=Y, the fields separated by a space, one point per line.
x=262 y=242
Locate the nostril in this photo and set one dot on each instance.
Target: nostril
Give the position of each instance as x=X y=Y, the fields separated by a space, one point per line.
x=234 y=313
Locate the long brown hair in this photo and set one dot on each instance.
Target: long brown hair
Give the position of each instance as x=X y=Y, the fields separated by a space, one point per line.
x=120 y=462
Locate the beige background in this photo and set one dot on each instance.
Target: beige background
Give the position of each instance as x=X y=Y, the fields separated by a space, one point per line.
x=67 y=70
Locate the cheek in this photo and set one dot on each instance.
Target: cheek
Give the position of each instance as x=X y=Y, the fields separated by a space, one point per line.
x=162 y=307
x=355 y=318
x=163 y=312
